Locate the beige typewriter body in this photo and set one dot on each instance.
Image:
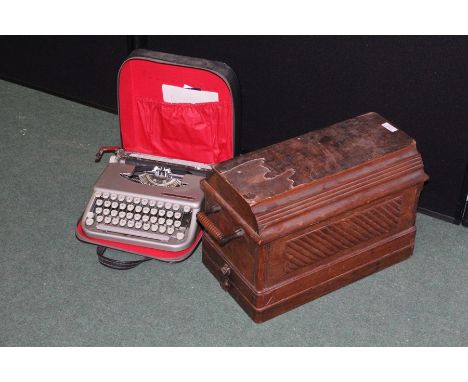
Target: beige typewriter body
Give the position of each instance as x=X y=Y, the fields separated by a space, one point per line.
x=155 y=209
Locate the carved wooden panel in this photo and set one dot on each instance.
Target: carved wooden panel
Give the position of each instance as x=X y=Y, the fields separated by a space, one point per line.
x=350 y=232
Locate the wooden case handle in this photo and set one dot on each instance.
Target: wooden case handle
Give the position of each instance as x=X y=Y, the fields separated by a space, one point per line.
x=215 y=232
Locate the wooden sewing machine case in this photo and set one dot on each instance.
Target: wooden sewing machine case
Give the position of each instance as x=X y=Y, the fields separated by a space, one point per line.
x=296 y=220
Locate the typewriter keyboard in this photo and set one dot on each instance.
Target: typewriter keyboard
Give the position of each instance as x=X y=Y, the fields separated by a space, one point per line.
x=144 y=218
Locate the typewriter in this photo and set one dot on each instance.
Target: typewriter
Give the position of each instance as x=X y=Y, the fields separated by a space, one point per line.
x=146 y=200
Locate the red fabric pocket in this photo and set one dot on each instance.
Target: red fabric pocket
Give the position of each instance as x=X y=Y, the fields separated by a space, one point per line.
x=185 y=131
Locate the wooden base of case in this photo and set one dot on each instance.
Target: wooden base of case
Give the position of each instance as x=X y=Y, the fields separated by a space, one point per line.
x=262 y=305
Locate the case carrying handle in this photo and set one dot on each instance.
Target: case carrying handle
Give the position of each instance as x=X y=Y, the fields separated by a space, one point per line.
x=121 y=265
x=220 y=237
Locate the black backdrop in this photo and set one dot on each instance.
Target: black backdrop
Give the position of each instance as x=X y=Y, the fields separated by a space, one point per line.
x=291 y=85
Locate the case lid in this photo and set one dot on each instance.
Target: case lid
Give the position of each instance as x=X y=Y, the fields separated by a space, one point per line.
x=200 y=132
x=350 y=162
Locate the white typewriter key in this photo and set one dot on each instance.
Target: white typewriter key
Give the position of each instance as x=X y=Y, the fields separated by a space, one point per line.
x=177 y=223
x=123 y=222
x=138 y=225
x=162 y=228
x=129 y=199
x=175 y=207
x=186 y=209
x=121 y=198
x=145 y=218
x=122 y=206
x=180 y=235
x=105 y=195
x=136 y=200
x=90 y=215
x=99 y=202
x=153 y=219
x=138 y=209
x=170 y=214
x=168 y=205
x=122 y=214
x=129 y=215
x=113 y=196
x=98 y=194
x=161 y=220
x=115 y=221
x=144 y=202
x=89 y=221
x=154 y=227
x=177 y=215
x=98 y=210
x=106 y=211
x=115 y=204
x=170 y=230
x=162 y=212
x=137 y=216
x=169 y=221
x=100 y=218
x=146 y=210
x=107 y=203
x=154 y=211
x=152 y=203
x=130 y=207
x=160 y=204
x=130 y=223
x=113 y=213
x=107 y=219
x=146 y=226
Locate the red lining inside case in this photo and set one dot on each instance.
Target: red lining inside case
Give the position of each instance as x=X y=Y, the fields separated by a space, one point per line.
x=200 y=132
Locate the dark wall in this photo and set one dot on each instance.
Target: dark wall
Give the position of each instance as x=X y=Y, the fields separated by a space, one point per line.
x=291 y=85
x=81 y=68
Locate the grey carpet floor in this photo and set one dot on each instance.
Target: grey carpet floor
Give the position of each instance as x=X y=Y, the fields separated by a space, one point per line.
x=53 y=292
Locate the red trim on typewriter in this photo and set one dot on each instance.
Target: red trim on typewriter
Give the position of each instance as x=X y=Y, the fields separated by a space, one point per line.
x=144 y=251
x=196 y=132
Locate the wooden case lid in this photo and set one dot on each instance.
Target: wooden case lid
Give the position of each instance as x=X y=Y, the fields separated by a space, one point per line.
x=362 y=156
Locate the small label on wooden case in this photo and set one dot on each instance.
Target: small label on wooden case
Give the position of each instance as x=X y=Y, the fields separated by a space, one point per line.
x=389 y=127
